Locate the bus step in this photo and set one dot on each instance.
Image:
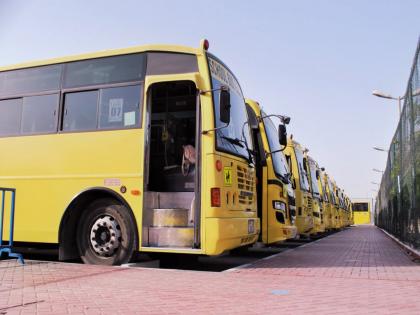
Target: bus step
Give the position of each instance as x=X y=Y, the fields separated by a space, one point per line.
x=175 y=217
x=171 y=236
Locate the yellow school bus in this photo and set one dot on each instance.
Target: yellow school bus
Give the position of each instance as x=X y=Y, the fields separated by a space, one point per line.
x=317 y=204
x=348 y=210
x=351 y=211
x=275 y=198
x=341 y=207
x=361 y=209
x=330 y=199
x=296 y=161
x=345 y=208
x=325 y=199
x=119 y=151
x=346 y=220
x=334 y=209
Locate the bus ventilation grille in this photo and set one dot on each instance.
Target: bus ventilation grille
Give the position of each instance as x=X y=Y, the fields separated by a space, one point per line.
x=310 y=205
x=245 y=186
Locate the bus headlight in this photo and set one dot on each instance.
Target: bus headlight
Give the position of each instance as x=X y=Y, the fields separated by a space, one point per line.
x=292 y=212
x=279 y=205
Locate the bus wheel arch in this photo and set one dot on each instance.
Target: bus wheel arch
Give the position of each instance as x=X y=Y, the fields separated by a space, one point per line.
x=67 y=235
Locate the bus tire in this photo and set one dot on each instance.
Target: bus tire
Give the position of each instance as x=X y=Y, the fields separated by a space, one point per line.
x=106 y=234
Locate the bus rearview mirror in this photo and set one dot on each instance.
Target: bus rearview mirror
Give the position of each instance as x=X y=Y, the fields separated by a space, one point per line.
x=224 y=106
x=282 y=135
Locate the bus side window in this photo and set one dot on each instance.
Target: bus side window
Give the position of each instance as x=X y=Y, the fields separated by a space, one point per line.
x=120 y=107
x=10 y=116
x=39 y=114
x=80 y=111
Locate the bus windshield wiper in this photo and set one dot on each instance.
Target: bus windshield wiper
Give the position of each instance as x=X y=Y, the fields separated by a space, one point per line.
x=234 y=141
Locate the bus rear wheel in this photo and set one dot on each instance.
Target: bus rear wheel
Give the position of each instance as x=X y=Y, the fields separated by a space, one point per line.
x=106 y=234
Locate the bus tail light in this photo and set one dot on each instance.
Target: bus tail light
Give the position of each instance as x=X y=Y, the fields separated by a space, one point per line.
x=215 y=197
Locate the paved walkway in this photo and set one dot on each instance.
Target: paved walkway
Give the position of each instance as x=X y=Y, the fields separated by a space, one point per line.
x=357 y=271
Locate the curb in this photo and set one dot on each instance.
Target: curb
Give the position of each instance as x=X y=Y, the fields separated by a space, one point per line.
x=414 y=254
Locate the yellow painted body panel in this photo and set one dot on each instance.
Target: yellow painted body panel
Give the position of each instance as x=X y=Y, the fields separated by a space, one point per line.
x=319 y=226
x=272 y=231
x=362 y=217
x=49 y=171
x=223 y=234
x=304 y=216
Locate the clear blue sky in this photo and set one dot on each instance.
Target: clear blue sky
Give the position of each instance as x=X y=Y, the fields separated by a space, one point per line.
x=316 y=61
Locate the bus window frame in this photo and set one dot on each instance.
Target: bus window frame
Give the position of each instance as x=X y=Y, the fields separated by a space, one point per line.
x=57 y=117
x=98 y=88
x=21 y=118
x=62 y=91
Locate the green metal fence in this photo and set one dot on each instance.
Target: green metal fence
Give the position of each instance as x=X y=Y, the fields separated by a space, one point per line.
x=397 y=207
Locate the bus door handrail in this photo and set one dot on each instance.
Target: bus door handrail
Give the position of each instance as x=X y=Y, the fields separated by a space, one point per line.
x=4 y=247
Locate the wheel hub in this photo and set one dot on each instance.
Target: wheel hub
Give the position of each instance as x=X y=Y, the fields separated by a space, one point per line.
x=105 y=236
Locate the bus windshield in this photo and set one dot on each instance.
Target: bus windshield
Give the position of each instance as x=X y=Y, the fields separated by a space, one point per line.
x=235 y=138
x=314 y=181
x=304 y=182
x=331 y=188
x=279 y=160
x=324 y=189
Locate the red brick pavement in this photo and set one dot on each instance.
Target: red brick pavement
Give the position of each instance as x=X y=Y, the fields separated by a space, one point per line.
x=357 y=271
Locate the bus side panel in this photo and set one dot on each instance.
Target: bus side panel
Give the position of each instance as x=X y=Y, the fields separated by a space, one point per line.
x=49 y=171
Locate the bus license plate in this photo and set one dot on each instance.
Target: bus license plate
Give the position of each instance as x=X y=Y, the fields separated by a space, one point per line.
x=251 y=226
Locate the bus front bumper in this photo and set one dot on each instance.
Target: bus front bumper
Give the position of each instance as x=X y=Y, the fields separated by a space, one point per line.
x=304 y=224
x=223 y=234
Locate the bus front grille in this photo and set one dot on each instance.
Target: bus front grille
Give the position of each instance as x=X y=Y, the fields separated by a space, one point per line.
x=310 y=205
x=245 y=186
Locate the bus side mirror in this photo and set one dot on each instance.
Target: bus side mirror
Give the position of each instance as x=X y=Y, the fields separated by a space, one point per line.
x=305 y=167
x=282 y=135
x=317 y=174
x=224 y=105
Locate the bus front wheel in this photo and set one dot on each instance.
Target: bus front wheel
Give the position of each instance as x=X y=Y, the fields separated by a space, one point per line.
x=106 y=234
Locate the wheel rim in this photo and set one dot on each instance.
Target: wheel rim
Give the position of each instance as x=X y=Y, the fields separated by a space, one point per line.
x=105 y=236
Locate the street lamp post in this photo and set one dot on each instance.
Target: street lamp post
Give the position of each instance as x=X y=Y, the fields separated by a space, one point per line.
x=399 y=98
x=378 y=171
x=380 y=149
x=383 y=95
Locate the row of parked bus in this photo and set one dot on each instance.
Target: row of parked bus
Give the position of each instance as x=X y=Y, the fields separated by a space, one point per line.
x=297 y=198
x=152 y=149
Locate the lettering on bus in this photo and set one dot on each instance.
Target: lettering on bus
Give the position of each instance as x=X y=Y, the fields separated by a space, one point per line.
x=219 y=72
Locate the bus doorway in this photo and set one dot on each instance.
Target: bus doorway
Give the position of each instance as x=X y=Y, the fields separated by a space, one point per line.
x=170 y=218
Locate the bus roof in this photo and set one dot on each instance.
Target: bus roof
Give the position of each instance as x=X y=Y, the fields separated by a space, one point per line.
x=106 y=53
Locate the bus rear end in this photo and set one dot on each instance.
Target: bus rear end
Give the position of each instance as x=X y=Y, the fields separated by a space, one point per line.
x=361 y=211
